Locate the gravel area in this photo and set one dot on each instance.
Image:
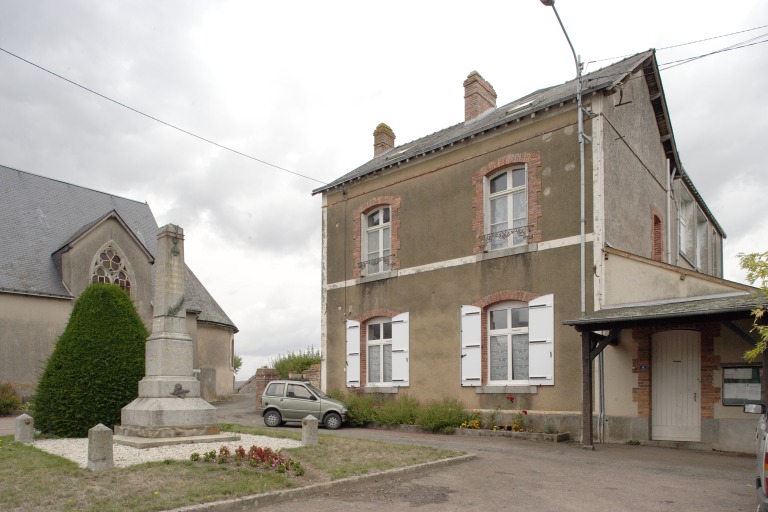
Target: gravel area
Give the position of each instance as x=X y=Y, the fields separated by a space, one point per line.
x=123 y=456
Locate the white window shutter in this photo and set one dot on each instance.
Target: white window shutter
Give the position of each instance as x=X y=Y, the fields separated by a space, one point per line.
x=541 y=341
x=353 y=354
x=470 y=346
x=400 y=349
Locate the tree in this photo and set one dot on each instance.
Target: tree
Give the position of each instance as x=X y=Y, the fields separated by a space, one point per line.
x=95 y=366
x=756 y=265
x=237 y=363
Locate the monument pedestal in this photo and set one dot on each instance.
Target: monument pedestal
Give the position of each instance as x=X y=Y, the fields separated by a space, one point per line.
x=169 y=409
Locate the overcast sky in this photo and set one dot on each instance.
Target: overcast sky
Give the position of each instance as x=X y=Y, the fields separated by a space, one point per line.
x=303 y=84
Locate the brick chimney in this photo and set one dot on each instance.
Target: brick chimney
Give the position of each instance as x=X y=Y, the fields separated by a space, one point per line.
x=479 y=96
x=383 y=139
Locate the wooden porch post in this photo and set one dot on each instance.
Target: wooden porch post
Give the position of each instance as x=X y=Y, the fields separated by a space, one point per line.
x=586 y=387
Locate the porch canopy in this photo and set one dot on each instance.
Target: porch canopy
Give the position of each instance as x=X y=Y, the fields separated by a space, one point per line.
x=666 y=314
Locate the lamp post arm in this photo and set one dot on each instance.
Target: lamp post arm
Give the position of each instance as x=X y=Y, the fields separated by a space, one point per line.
x=576 y=60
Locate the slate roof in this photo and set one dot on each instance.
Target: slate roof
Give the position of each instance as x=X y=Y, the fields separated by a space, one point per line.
x=676 y=308
x=604 y=78
x=40 y=215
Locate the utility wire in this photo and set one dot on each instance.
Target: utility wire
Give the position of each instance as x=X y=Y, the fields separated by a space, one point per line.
x=163 y=122
x=685 y=44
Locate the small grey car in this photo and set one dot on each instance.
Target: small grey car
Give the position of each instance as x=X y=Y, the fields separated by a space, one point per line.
x=293 y=400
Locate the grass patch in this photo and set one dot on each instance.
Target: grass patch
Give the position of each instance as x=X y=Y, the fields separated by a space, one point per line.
x=341 y=457
x=36 y=481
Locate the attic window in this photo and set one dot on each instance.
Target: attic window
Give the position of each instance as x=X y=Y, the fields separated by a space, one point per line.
x=519 y=107
x=397 y=154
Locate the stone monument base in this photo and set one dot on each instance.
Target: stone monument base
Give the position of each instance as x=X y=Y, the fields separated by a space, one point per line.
x=149 y=422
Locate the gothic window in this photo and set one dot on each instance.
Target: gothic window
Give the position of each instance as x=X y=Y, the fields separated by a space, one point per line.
x=110 y=268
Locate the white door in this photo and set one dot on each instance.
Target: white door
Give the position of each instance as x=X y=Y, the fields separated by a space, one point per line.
x=676 y=384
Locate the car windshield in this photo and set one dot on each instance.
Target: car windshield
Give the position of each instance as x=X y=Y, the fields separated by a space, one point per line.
x=316 y=391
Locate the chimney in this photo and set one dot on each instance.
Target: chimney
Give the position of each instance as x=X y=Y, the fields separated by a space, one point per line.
x=479 y=96
x=383 y=139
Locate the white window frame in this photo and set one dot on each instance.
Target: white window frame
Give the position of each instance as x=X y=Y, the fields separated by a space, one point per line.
x=541 y=344
x=383 y=232
x=508 y=239
x=379 y=343
x=509 y=333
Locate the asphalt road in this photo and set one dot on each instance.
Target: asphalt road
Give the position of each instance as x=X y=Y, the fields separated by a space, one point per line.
x=540 y=476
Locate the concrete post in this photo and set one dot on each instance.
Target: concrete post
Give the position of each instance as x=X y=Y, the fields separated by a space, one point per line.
x=25 y=429
x=309 y=431
x=100 y=448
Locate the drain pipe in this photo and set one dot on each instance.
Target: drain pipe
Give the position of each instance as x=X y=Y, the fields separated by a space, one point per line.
x=601 y=417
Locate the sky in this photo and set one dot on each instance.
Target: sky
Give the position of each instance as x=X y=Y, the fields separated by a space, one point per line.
x=302 y=85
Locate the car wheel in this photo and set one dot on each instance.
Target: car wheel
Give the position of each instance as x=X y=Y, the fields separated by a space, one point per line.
x=332 y=421
x=272 y=419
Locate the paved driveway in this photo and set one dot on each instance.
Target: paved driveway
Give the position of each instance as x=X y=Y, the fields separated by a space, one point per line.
x=539 y=476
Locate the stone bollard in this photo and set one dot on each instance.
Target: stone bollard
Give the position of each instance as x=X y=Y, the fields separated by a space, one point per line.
x=309 y=431
x=25 y=429
x=100 y=448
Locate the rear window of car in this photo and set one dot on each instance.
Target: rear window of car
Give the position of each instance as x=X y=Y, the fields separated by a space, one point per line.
x=275 y=389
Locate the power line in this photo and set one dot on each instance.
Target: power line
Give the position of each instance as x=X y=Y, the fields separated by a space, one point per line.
x=163 y=122
x=684 y=44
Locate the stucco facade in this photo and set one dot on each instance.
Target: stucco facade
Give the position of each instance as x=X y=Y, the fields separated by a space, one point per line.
x=421 y=258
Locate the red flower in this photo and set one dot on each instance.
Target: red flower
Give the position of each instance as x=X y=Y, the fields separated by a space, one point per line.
x=525 y=412
x=511 y=398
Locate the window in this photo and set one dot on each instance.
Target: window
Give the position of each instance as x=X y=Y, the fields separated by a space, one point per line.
x=379 y=351
x=694 y=228
x=298 y=391
x=377 y=241
x=386 y=343
x=741 y=385
x=508 y=342
x=507 y=208
x=518 y=344
x=275 y=389
x=657 y=246
x=110 y=268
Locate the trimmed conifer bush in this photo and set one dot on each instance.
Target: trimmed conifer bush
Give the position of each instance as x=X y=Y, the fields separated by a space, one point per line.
x=95 y=367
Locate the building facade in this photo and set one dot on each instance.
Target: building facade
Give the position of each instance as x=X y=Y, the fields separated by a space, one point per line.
x=57 y=239
x=450 y=263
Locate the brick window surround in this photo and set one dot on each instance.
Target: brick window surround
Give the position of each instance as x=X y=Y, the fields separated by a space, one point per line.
x=363 y=319
x=710 y=394
x=657 y=235
x=532 y=162
x=484 y=304
x=357 y=240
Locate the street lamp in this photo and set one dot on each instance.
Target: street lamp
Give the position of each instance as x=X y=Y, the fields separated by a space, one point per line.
x=586 y=402
x=577 y=61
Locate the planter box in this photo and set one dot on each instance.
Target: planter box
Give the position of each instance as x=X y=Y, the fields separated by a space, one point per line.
x=478 y=432
x=533 y=436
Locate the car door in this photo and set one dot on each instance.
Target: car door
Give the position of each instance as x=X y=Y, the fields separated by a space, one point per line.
x=299 y=402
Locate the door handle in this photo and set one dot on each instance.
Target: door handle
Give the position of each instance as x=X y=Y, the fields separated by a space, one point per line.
x=694 y=396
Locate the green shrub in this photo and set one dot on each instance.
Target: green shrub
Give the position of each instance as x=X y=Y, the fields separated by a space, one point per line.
x=361 y=407
x=9 y=400
x=295 y=362
x=95 y=367
x=441 y=415
x=400 y=411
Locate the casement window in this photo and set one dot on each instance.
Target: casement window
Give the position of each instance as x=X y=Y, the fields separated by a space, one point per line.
x=694 y=228
x=386 y=342
x=507 y=208
x=519 y=343
x=379 y=350
x=377 y=241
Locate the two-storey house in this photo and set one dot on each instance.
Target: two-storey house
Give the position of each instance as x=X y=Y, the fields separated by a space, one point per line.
x=450 y=263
